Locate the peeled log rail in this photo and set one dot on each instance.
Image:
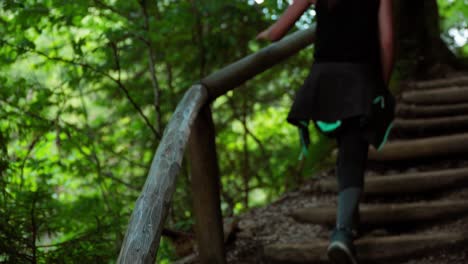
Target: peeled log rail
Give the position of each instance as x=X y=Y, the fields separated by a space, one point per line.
x=141 y=241
x=456 y=81
x=405 y=110
x=370 y=250
x=384 y=214
x=438 y=96
x=439 y=124
x=239 y=72
x=421 y=182
x=421 y=148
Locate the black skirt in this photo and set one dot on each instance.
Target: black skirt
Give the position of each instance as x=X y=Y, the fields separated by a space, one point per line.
x=334 y=91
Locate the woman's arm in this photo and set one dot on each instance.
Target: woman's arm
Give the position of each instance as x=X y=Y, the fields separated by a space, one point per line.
x=386 y=38
x=283 y=25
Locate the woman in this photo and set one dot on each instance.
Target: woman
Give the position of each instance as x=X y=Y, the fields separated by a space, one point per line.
x=345 y=95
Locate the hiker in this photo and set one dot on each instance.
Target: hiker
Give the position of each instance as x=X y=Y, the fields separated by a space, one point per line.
x=345 y=95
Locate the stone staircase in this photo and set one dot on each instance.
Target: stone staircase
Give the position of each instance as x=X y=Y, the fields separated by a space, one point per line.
x=415 y=207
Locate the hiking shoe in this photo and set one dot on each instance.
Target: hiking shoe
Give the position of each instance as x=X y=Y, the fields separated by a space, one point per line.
x=341 y=249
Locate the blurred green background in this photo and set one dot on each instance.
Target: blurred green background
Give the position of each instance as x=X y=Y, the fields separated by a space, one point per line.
x=87 y=87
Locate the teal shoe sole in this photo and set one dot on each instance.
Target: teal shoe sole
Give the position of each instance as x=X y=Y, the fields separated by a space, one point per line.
x=338 y=253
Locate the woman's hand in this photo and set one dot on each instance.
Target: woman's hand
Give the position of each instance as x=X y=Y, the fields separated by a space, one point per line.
x=286 y=21
x=264 y=35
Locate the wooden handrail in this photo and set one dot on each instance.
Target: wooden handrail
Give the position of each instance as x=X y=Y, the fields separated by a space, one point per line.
x=243 y=70
x=141 y=241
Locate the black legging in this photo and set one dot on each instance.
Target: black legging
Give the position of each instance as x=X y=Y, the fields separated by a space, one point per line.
x=350 y=166
x=352 y=154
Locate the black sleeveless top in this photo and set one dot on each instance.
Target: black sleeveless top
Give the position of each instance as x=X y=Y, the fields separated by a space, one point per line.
x=347 y=31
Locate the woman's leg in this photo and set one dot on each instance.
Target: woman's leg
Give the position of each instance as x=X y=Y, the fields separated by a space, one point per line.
x=351 y=164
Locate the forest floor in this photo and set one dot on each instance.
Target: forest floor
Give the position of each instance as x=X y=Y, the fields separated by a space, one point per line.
x=275 y=234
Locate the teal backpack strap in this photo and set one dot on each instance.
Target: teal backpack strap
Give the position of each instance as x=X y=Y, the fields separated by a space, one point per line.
x=305 y=138
x=328 y=127
x=380 y=99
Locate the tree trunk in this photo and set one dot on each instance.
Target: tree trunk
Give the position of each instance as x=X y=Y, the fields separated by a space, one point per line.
x=420 y=47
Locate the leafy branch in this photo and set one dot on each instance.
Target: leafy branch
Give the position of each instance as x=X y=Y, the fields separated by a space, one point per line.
x=117 y=81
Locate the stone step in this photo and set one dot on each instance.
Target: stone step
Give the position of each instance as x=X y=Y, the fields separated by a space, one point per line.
x=386 y=214
x=410 y=183
x=452 y=95
x=438 y=83
x=370 y=250
x=414 y=111
x=421 y=148
x=437 y=124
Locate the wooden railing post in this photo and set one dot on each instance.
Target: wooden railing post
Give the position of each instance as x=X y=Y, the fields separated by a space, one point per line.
x=205 y=189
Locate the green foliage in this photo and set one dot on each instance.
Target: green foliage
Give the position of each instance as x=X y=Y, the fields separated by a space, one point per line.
x=79 y=123
x=454 y=14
